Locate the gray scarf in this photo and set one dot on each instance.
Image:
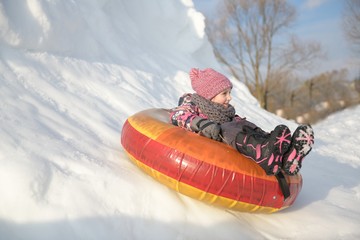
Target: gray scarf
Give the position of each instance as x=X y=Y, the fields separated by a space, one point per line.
x=215 y=112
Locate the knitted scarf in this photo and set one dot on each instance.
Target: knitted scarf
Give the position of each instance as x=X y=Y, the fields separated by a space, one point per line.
x=215 y=112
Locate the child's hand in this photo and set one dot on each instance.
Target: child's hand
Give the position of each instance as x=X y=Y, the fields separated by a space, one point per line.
x=212 y=131
x=206 y=127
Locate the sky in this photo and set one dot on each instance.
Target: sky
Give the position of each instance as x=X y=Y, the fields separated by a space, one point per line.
x=72 y=72
x=319 y=21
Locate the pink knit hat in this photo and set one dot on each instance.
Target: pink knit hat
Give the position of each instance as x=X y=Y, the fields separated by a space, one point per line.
x=208 y=83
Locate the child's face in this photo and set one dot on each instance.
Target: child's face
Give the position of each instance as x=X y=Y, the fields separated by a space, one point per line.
x=223 y=98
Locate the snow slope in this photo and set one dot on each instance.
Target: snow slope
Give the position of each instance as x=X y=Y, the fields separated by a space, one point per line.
x=71 y=72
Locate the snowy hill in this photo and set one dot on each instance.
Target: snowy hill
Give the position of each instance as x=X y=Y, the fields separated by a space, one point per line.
x=71 y=72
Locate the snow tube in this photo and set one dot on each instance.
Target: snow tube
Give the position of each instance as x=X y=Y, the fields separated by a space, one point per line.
x=202 y=168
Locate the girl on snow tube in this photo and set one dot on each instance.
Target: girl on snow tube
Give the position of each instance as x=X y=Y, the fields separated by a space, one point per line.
x=209 y=113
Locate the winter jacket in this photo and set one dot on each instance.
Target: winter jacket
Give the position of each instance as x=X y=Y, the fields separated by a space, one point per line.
x=187 y=110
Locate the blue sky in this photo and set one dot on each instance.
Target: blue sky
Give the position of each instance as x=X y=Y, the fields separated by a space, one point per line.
x=320 y=21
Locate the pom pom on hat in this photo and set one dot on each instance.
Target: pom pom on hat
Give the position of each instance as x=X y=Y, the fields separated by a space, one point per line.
x=208 y=83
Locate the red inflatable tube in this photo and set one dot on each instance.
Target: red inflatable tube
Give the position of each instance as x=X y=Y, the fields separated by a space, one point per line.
x=202 y=168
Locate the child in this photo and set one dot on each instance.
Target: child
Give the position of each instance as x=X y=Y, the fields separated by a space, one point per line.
x=209 y=113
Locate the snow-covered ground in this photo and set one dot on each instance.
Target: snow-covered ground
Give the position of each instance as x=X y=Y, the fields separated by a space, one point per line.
x=71 y=72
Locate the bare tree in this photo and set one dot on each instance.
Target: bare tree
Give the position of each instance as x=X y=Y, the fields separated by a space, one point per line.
x=246 y=38
x=351 y=22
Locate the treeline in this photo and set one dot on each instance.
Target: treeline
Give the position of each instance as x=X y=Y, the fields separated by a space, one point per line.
x=315 y=98
x=253 y=40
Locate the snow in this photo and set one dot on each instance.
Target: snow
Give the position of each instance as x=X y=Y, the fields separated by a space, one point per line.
x=71 y=72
